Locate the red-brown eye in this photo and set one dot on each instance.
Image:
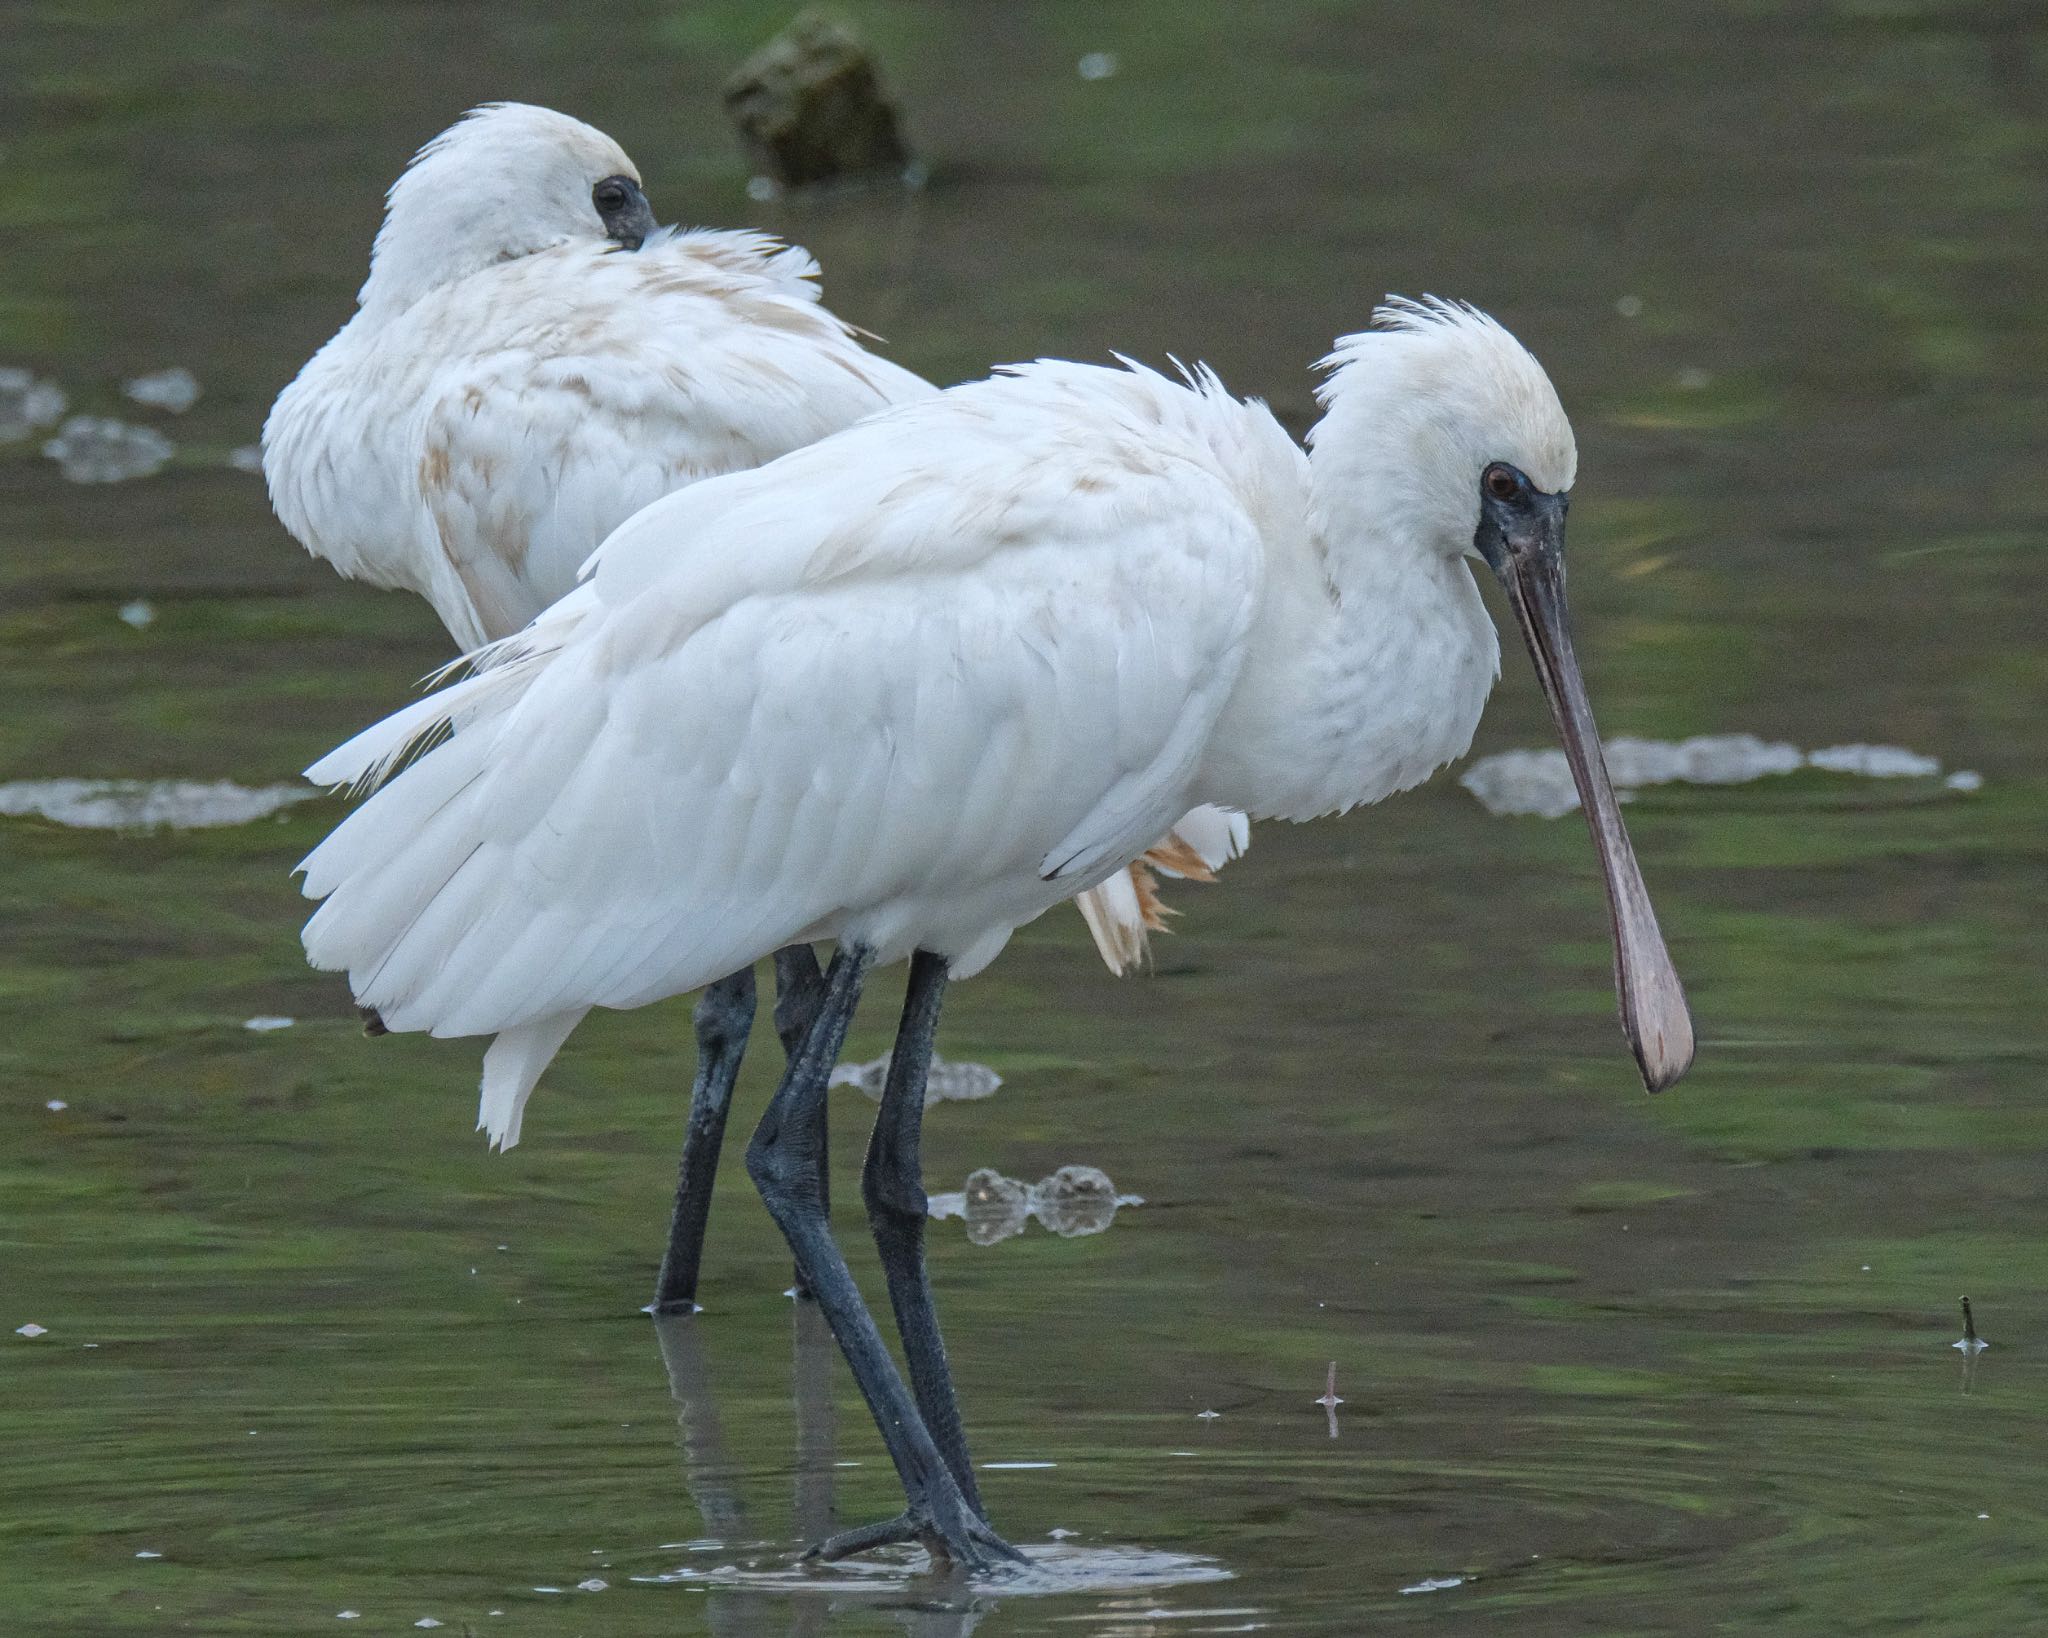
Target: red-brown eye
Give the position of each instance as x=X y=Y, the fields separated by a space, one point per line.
x=1503 y=483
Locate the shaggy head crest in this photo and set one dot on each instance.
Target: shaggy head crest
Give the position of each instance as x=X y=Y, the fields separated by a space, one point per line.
x=1419 y=405
x=1459 y=368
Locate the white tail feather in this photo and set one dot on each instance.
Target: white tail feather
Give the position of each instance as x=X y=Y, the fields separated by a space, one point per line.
x=1116 y=921
x=365 y=762
x=513 y=1066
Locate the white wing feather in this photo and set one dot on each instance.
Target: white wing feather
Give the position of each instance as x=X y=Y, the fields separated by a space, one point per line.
x=894 y=672
x=1217 y=835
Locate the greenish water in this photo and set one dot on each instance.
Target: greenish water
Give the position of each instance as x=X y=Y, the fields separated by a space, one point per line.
x=1623 y=1365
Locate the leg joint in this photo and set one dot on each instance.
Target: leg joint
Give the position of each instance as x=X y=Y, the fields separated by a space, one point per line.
x=779 y=1171
x=891 y=1195
x=725 y=1012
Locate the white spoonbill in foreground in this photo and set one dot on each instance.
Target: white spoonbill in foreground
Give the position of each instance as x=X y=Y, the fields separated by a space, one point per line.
x=532 y=361
x=913 y=686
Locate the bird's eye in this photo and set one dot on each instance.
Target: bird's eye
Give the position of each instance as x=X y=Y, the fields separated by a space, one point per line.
x=609 y=196
x=1503 y=483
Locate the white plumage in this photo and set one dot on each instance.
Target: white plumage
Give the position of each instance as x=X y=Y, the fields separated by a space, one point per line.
x=516 y=384
x=914 y=685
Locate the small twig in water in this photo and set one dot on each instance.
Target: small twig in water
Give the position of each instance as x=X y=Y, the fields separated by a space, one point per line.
x=1330 y=1401
x=1972 y=1344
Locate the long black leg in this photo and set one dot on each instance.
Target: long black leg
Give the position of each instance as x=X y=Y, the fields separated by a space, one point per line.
x=892 y=1185
x=783 y=1162
x=724 y=1018
x=799 y=993
x=725 y=1015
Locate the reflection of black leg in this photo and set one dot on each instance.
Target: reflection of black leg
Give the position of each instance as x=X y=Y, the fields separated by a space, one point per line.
x=783 y=1162
x=813 y=1370
x=893 y=1187
x=799 y=993
x=725 y=1013
x=707 y=1469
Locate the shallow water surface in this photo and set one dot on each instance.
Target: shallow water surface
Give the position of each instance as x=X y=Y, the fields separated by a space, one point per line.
x=281 y=1345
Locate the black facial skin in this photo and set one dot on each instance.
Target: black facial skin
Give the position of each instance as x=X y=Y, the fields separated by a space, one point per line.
x=623 y=208
x=1518 y=522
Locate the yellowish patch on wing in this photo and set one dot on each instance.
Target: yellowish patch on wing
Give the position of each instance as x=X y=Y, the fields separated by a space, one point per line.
x=771 y=312
x=1178 y=858
x=1152 y=910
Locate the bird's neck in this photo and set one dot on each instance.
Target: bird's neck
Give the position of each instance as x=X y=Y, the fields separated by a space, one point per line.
x=407 y=264
x=1371 y=658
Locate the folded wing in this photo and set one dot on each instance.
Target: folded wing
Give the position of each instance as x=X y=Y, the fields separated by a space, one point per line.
x=892 y=672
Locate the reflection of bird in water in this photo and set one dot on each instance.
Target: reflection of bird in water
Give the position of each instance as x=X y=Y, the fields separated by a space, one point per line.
x=532 y=362
x=941 y=671
x=711 y=1476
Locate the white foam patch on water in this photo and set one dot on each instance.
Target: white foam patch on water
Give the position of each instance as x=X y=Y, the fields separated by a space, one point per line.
x=945 y=1082
x=175 y=389
x=1435 y=1583
x=1540 y=782
x=99 y=449
x=27 y=403
x=1875 y=761
x=1073 y=1201
x=146 y=804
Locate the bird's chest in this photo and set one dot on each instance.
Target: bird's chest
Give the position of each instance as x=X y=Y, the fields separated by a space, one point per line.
x=343 y=455
x=1417 y=697
x=1369 y=707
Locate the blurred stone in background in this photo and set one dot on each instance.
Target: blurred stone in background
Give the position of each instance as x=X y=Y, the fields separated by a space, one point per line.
x=810 y=108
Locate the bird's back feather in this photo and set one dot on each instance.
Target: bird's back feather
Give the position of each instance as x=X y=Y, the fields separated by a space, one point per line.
x=475 y=446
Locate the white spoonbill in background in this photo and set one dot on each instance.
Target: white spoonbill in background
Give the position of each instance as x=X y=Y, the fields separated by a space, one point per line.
x=532 y=362
x=912 y=686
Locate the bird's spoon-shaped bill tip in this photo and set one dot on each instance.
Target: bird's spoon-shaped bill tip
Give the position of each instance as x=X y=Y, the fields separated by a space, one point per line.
x=1653 y=1009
